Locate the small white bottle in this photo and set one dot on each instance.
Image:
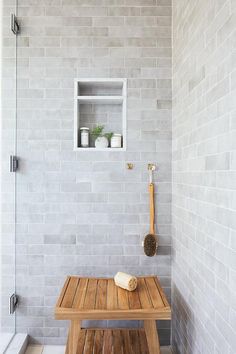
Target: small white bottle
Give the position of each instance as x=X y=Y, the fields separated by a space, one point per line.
x=116 y=141
x=84 y=137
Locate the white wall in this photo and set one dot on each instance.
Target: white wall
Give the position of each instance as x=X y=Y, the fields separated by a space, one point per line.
x=204 y=177
x=78 y=212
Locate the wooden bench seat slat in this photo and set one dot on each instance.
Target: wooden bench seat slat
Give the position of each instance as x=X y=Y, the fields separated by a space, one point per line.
x=123 y=302
x=117 y=342
x=143 y=295
x=134 y=302
x=81 y=342
x=101 y=296
x=68 y=298
x=63 y=291
x=163 y=296
x=89 y=342
x=90 y=296
x=107 y=342
x=135 y=343
x=80 y=294
x=154 y=292
x=127 y=342
x=111 y=295
x=98 y=342
x=143 y=342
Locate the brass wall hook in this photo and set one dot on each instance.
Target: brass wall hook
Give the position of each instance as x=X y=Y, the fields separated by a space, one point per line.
x=130 y=166
x=151 y=167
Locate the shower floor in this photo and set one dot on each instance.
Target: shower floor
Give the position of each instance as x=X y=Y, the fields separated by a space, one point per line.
x=56 y=349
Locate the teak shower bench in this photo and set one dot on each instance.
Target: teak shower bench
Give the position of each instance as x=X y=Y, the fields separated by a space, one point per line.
x=100 y=299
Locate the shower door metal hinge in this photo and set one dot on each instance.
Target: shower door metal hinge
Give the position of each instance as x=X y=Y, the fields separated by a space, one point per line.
x=14 y=163
x=15 y=28
x=13 y=301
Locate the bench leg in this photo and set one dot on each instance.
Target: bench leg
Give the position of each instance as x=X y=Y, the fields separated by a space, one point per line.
x=73 y=337
x=152 y=336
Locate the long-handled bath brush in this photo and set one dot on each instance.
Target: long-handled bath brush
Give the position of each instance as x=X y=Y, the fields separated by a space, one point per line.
x=150 y=243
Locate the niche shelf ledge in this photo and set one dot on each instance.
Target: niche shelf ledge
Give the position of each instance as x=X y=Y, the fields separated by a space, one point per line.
x=101 y=99
x=99 y=150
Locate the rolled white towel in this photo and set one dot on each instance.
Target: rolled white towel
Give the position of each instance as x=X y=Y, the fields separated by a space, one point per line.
x=126 y=281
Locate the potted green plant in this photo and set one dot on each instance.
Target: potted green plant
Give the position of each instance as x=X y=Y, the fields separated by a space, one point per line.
x=101 y=139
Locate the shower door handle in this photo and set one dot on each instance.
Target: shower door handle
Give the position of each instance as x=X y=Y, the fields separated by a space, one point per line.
x=13 y=301
x=14 y=163
x=15 y=28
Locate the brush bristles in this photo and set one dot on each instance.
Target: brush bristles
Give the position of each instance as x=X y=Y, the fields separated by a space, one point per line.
x=150 y=245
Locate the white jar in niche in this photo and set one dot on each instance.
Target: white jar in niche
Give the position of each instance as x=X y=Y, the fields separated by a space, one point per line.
x=101 y=142
x=84 y=137
x=116 y=141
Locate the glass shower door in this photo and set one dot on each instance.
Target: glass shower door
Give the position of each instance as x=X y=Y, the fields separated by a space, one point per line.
x=8 y=67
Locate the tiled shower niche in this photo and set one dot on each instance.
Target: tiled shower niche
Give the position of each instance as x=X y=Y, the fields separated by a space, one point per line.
x=100 y=102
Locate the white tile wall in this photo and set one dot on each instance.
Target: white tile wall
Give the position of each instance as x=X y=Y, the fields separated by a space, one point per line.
x=204 y=135
x=84 y=213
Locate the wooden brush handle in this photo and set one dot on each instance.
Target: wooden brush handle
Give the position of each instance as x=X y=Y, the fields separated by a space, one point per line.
x=152 y=209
